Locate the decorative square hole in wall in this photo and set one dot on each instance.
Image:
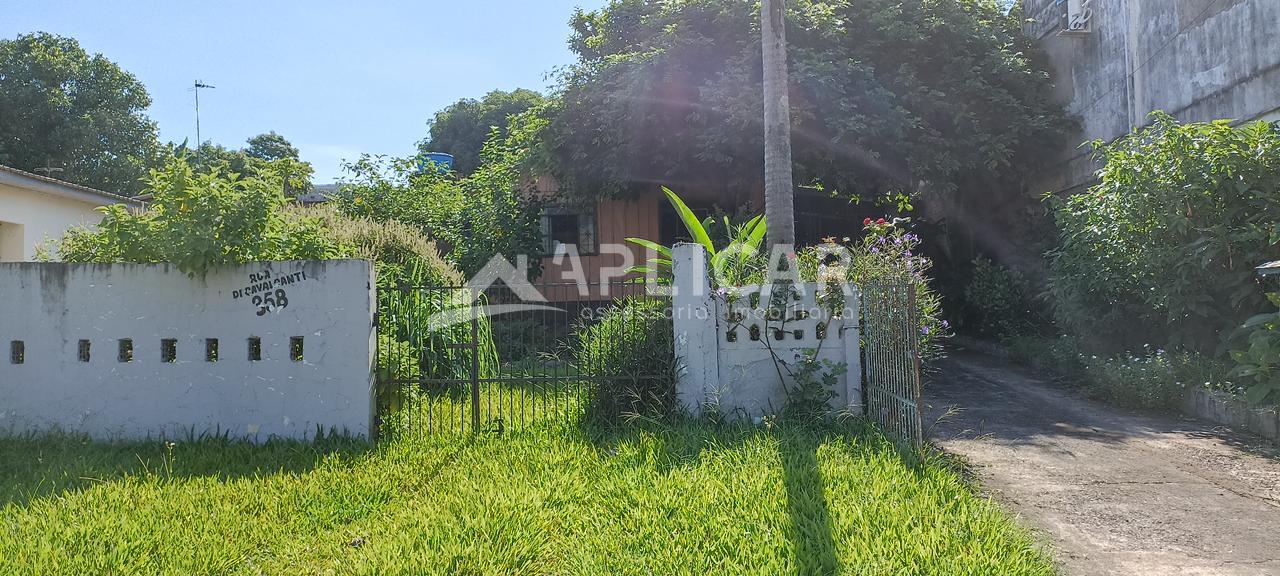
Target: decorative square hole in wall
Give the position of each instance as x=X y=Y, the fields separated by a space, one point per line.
x=17 y=352
x=125 y=353
x=210 y=349
x=255 y=349
x=169 y=350
x=82 y=351
x=295 y=348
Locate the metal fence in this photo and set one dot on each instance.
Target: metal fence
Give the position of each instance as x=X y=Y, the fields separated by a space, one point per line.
x=454 y=359
x=891 y=356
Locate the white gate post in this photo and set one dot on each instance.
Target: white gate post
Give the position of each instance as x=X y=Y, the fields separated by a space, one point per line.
x=852 y=342
x=693 y=316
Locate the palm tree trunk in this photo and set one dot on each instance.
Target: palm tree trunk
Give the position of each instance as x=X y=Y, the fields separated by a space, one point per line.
x=778 y=191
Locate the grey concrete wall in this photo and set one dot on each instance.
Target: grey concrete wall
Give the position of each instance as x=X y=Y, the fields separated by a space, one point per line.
x=51 y=307
x=739 y=375
x=1199 y=60
x=1220 y=407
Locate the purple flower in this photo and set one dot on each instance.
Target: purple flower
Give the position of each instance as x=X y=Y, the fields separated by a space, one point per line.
x=875 y=250
x=924 y=330
x=946 y=324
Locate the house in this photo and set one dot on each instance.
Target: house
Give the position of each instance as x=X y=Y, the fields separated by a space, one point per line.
x=589 y=242
x=34 y=208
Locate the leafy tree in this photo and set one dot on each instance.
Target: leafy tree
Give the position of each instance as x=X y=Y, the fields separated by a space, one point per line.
x=885 y=94
x=263 y=150
x=462 y=128
x=1162 y=250
x=473 y=218
x=61 y=107
x=270 y=146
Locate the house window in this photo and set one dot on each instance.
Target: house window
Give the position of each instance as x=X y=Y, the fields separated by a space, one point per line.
x=564 y=229
x=567 y=225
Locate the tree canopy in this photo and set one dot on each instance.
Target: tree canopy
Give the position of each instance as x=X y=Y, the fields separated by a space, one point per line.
x=64 y=108
x=474 y=217
x=270 y=146
x=885 y=94
x=263 y=150
x=462 y=128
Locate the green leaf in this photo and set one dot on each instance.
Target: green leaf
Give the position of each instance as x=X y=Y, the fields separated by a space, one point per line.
x=691 y=222
x=660 y=249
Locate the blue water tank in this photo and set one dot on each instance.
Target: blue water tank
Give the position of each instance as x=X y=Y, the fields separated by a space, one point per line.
x=443 y=163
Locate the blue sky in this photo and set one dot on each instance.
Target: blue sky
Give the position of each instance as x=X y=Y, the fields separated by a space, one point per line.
x=337 y=78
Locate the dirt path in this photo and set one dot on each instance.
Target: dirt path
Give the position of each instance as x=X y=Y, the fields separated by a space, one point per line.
x=1111 y=492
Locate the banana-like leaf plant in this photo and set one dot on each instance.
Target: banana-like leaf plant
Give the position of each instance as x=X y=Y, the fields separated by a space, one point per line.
x=730 y=264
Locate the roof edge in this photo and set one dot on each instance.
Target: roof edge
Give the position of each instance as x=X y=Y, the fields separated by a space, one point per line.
x=24 y=179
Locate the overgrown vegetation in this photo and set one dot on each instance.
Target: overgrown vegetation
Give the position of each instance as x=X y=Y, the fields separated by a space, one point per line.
x=888 y=252
x=198 y=220
x=1162 y=251
x=998 y=303
x=1256 y=352
x=487 y=213
x=671 y=92
x=682 y=498
x=633 y=346
x=1146 y=379
x=462 y=128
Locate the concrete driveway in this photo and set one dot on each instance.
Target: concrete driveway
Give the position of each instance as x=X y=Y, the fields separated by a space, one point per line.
x=1110 y=492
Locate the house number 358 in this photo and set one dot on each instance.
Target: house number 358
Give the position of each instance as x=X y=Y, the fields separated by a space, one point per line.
x=269 y=302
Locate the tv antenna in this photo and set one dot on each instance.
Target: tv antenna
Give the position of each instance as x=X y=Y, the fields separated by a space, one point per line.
x=198 y=86
x=48 y=171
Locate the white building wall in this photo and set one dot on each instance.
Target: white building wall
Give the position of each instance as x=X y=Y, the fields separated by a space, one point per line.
x=47 y=309
x=1198 y=60
x=28 y=217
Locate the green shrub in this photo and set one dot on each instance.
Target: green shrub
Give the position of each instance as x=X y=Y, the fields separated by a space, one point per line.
x=633 y=347
x=996 y=302
x=474 y=218
x=1257 y=356
x=1162 y=250
x=404 y=257
x=1059 y=356
x=200 y=220
x=1155 y=380
x=888 y=252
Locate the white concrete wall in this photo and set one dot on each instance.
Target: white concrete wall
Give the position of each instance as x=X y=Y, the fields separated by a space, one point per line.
x=38 y=216
x=739 y=375
x=51 y=307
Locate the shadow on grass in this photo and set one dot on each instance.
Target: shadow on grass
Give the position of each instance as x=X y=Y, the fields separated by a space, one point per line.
x=38 y=466
x=811 y=537
x=683 y=442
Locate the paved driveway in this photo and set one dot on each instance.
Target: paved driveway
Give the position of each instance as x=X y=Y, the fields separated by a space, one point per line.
x=1111 y=492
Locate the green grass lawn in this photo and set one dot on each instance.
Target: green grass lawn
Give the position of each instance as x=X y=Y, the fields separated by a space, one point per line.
x=688 y=498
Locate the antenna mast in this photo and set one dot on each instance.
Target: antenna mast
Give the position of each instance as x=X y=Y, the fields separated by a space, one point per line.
x=198 y=86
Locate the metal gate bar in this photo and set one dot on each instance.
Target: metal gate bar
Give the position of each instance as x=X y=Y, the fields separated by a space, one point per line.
x=485 y=371
x=892 y=360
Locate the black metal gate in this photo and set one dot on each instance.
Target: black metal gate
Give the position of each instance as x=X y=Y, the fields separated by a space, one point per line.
x=892 y=359
x=453 y=359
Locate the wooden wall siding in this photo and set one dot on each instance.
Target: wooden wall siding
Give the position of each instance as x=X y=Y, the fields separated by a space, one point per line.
x=616 y=220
